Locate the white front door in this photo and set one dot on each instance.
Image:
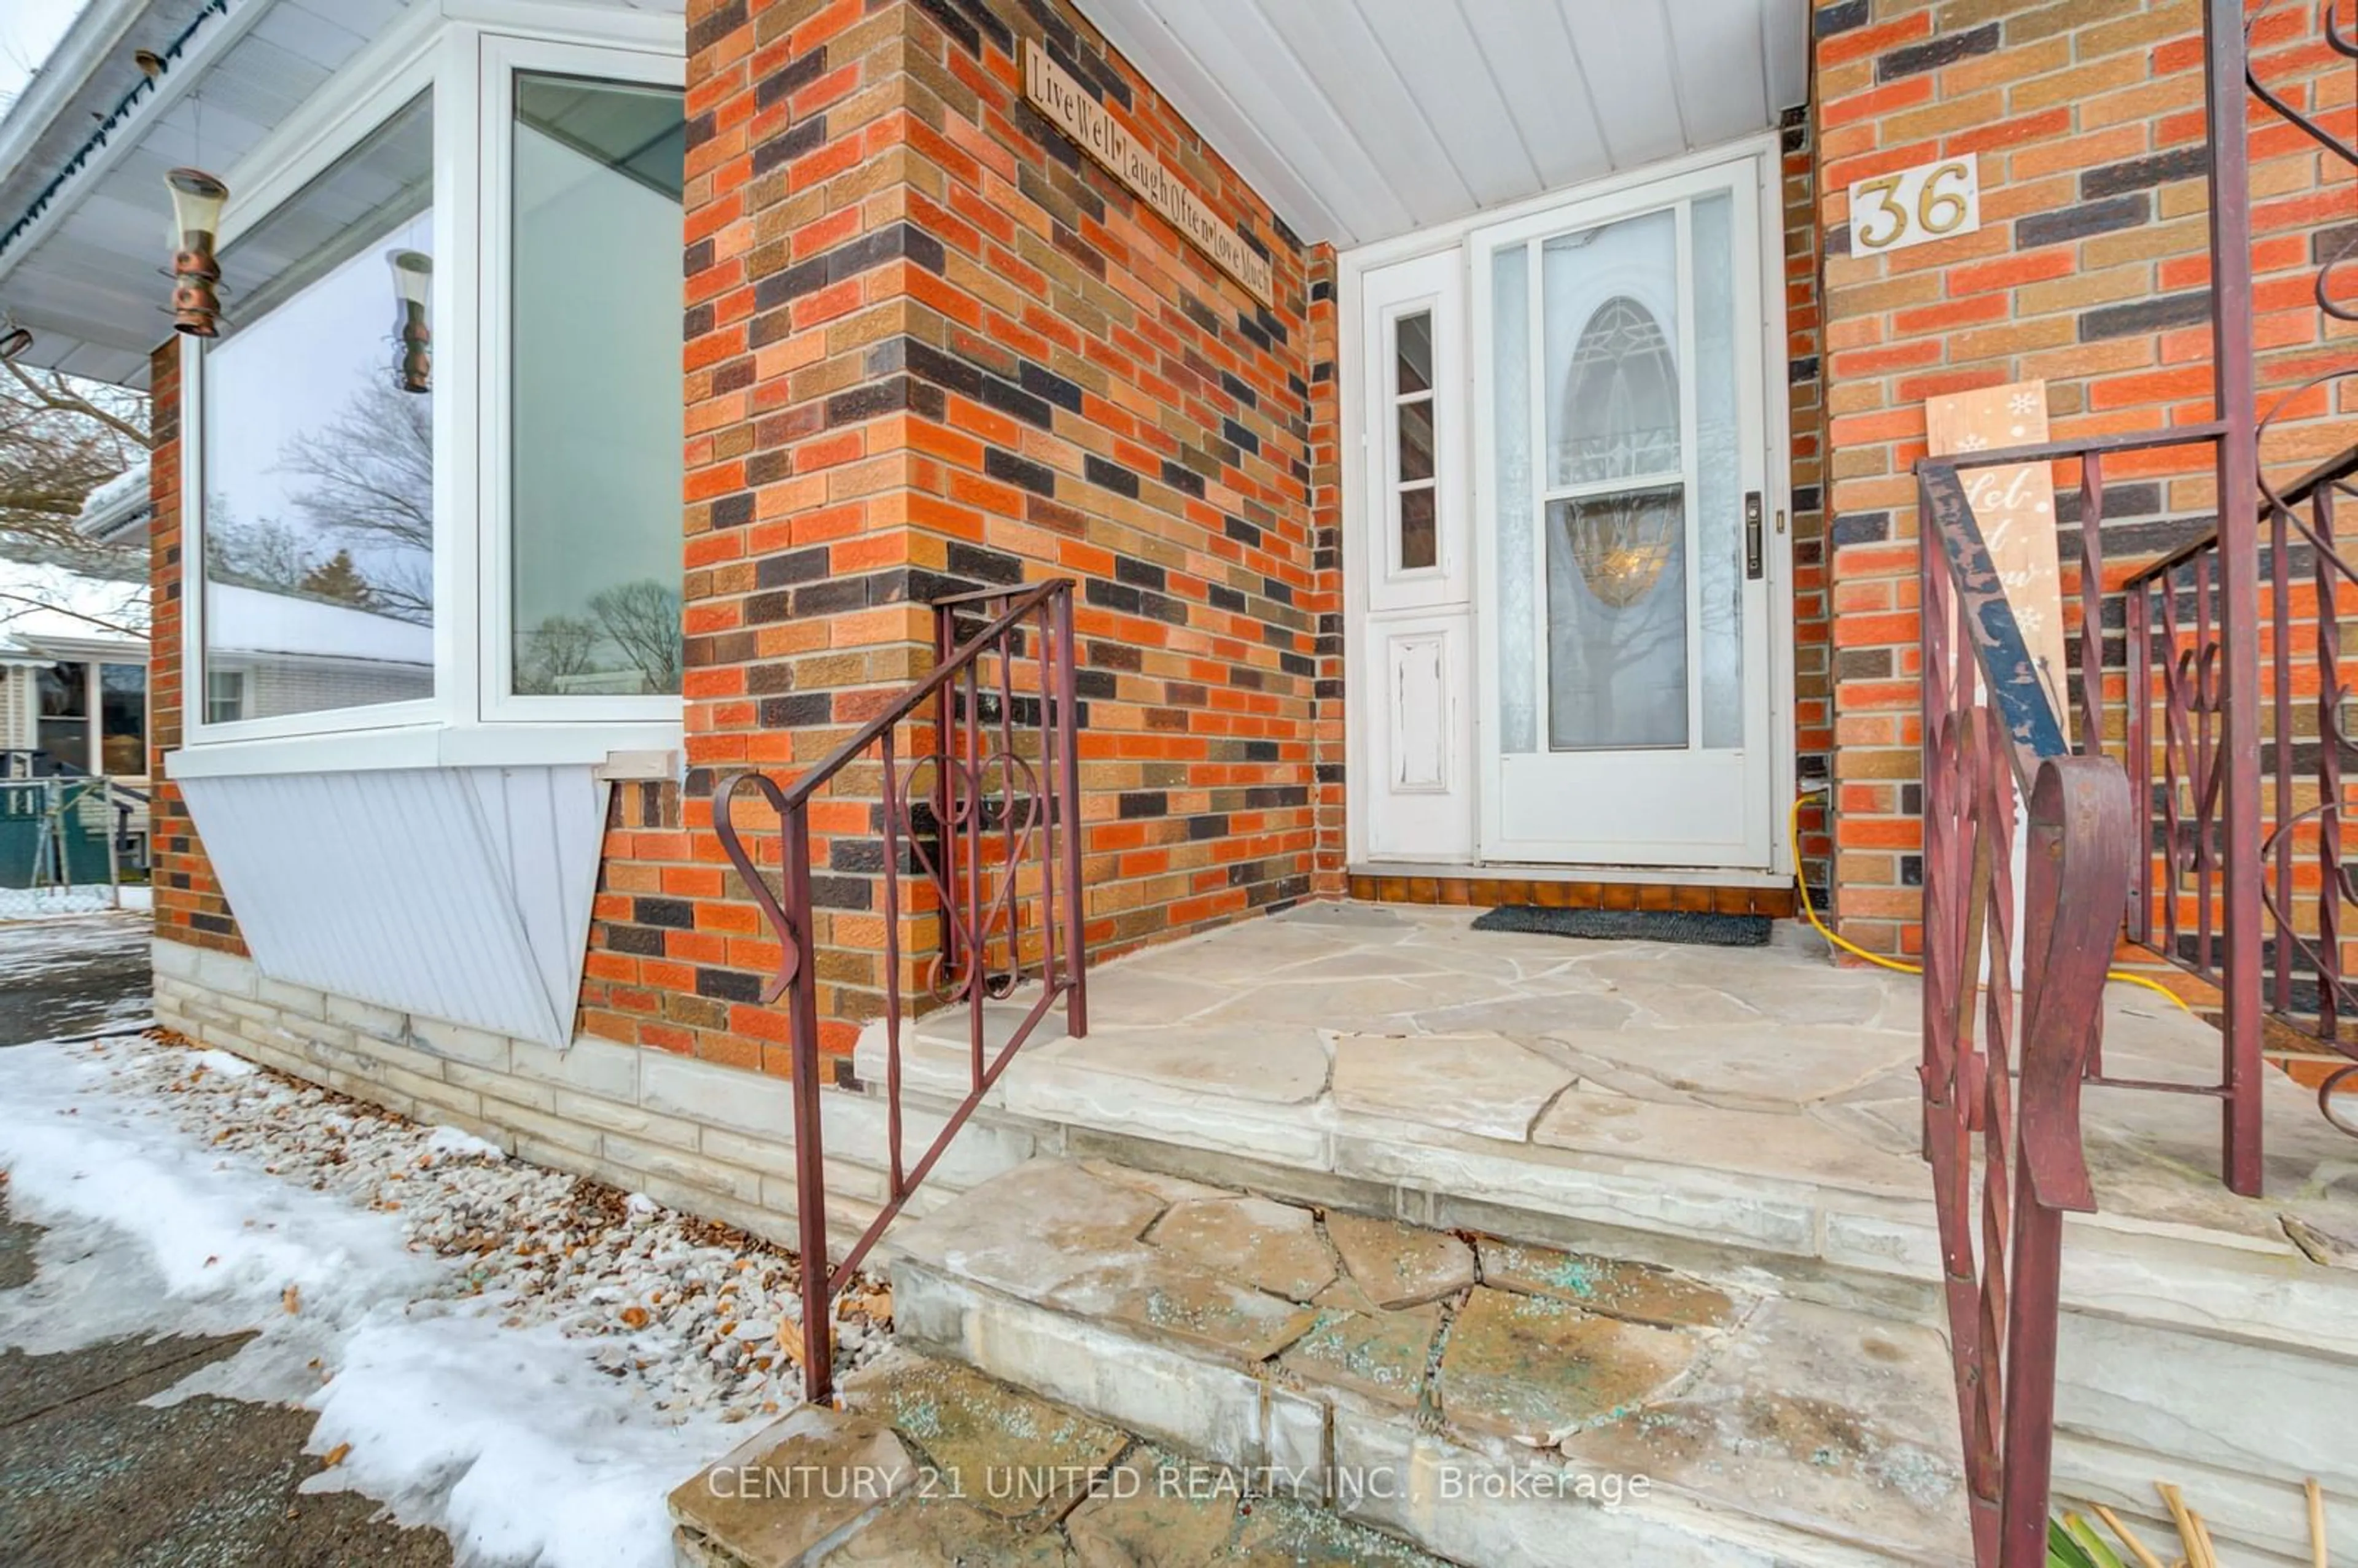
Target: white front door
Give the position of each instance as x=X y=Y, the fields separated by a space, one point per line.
x=1622 y=529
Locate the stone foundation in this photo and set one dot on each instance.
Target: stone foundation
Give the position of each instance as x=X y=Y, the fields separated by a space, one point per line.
x=703 y=1139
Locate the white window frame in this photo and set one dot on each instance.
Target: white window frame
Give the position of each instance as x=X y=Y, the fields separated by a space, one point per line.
x=467 y=52
x=504 y=55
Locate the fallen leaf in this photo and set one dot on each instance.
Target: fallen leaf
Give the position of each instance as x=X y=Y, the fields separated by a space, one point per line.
x=291 y=1298
x=335 y=1455
x=635 y=1317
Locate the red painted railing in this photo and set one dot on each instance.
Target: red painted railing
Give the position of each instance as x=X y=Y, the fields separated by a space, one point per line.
x=2174 y=839
x=2246 y=885
x=2002 y=1068
x=2286 y=924
x=969 y=785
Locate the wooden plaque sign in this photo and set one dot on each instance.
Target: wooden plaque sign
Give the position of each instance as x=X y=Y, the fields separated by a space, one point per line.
x=1053 y=91
x=2015 y=509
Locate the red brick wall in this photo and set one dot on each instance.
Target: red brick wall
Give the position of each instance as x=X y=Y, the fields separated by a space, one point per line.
x=932 y=345
x=189 y=903
x=2090 y=270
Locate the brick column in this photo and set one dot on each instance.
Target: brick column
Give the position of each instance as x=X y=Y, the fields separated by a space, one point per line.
x=931 y=345
x=188 y=903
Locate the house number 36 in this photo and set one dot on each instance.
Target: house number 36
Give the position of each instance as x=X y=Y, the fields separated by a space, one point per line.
x=1915 y=206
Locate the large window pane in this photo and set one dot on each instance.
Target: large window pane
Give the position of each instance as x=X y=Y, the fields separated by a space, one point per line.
x=64 y=730
x=1616 y=544
x=123 y=718
x=596 y=421
x=319 y=443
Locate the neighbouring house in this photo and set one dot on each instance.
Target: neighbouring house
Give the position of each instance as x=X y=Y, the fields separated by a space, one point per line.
x=73 y=679
x=1530 y=452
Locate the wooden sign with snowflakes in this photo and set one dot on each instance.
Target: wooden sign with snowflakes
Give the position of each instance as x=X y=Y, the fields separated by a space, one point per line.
x=2015 y=509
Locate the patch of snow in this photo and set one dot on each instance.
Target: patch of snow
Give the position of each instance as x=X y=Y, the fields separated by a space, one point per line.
x=556 y=1463
x=52 y=601
x=51 y=903
x=111 y=501
x=524 y=1360
x=212 y=1230
x=457 y=1143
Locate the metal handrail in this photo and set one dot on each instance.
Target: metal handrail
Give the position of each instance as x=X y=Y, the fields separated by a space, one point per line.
x=2006 y=1067
x=990 y=807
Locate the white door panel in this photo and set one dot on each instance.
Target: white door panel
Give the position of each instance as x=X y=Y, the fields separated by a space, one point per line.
x=1412 y=790
x=1620 y=469
x=1420 y=735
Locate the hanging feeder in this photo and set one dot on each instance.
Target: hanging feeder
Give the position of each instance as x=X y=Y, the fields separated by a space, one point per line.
x=197 y=199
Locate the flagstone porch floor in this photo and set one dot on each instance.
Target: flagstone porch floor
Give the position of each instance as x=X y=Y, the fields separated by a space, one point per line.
x=1747 y=1117
x=1760 y=1097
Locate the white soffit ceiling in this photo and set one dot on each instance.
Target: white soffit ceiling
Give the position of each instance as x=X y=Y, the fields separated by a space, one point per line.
x=1359 y=120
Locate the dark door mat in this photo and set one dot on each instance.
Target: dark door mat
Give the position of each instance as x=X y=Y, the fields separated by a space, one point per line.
x=1632 y=925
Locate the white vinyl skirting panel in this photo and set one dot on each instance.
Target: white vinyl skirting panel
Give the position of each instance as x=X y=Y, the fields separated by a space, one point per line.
x=459 y=894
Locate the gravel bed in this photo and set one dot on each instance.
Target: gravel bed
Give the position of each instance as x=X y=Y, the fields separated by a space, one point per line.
x=702 y=1317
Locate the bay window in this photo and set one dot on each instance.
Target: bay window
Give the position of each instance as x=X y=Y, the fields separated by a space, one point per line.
x=432 y=464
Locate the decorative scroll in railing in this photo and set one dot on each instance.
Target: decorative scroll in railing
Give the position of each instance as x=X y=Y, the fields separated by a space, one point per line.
x=2004 y=1068
x=969 y=785
x=2256 y=900
x=2303 y=767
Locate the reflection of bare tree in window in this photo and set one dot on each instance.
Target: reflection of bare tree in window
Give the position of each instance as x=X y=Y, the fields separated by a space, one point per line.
x=336 y=578
x=560 y=648
x=265 y=553
x=372 y=485
x=643 y=618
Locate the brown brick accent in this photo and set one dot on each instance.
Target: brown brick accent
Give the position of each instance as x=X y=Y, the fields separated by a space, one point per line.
x=1805 y=375
x=1489 y=893
x=2091 y=271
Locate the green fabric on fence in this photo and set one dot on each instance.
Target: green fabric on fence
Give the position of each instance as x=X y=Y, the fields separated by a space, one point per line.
x=55 y=832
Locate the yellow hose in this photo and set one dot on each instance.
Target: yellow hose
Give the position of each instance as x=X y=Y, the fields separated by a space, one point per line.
x=1810 y=910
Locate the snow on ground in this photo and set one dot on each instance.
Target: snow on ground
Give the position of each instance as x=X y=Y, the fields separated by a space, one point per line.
x=525 y=1360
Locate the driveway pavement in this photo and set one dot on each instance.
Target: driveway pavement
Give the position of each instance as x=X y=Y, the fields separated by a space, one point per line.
x=91 y=1476
x=72 y=976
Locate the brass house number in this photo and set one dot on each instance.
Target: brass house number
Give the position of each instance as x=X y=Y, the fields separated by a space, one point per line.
x=1915 y=206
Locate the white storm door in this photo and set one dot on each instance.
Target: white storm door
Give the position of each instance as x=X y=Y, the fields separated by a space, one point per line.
x=1414 y=788
x=1621 y=489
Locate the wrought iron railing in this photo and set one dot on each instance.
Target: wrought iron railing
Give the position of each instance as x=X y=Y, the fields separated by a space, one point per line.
x=2243 y=763
x=968 y=788
x=2003 y=1066
x=2184 y=851
x=2288 y=924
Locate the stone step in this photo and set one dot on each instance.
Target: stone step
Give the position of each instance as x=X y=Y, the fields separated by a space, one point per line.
x=930 y=1462
x=1491 y=1402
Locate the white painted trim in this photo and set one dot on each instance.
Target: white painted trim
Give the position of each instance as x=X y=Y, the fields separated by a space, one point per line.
x=1446 y=236
x=455 y=49
x=501 y=56
x=436 y=746
x=1764 y=151
x=1551 y=872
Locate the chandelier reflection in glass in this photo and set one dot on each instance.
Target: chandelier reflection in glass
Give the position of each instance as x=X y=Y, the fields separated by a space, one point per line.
x=1622 y=419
